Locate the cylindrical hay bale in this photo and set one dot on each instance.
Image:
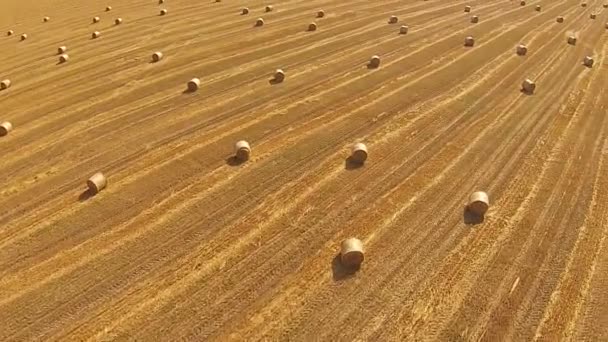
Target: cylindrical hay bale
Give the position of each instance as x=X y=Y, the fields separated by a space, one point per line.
x=259 y=22
x=403 y=29
x=374 y=62
x=522 y=3
x=479 y=203
x=10 y=32
x=522 y=50
x=537 y=8
x=474 y=19
x=467 y=9
x=312 y=27
x=393 y=19
x=528 y=86
x=163 y=12
x=5 y=84
x=96 y=19
x=62 y=49
x=194 y=84
x=606 y=25
x=351 y=252
x=24 y=36
x=157 y=56
x=359 y=153
x=108 y=9
x=605 y=5
x=5 y=128
x=64 y=58
x=245 y=11
x=96 y=183
x=592 y=15
x=320 y=14
x=269 y=8
x=560 y=19
x=469 y=41
x=96 y=34
x=46 y=19
x=572 y=40
x=279 y=75
x=588 y=61
x=118 y=21
x=584 y=4
x=160 y=2
x=242 y=150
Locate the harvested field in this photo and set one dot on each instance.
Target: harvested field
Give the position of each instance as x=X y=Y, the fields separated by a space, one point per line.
x=187 y=243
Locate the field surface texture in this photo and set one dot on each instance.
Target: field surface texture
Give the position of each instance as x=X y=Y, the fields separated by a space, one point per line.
x=188 y=243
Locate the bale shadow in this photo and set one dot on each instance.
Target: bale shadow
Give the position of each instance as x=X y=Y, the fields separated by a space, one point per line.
x=351 y=164
x=274 y=81
x=527 y=93
x=85 y=195
x=189 y=91
x=371 y=66
x=234 y=161
x=341 y=272
x=470 y=218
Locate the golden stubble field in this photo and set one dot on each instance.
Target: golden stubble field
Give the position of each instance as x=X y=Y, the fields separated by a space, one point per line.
x=185 y=244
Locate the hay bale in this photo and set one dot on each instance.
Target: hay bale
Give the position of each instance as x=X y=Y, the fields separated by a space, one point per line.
x=537 y=8
x=10 y=32
x=528 y=86
x=269 y=8
x=5 y=84
x=96 y=183
x=64 y=58
x=24 y=36
x=96 y=19
x=46 y=19
x=163 y=12
x=474 y=19
x=572 y=40
x=259 y=22
x=194 y=84
x=403 y=29
x=320 y=14
x=242 y=150
x=521 y=50
x=584 y=4
x=95 y=34
x=245 y=11
x=478 y=203
x=393 y=19
x=312 y=26
x=374 y=62
x=606 y=26
x=157 y=56
x=359 y=153
x=351 y=253
x=118 y=21
x=560 y=19
x=160 y=2
x=61 y=50
x=469 y=41
x=605 y=5
x=279 y=75
x=522 y=3
x=108 y=9
x=588 y=61
x=467 y=9
x=592 y=15
x=5 y=128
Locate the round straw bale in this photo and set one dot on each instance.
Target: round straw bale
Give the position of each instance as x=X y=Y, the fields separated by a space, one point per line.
x=157 y=56
x=359 y=153
x=108 y=9
x=469 y=41
x=479 y=203
x=584 y=4
x=572 y=40
x=312 y=27
x=588 y=61
x=393 y=19
x=528 y=86
x=242 y=150
x=351 y=252
x=537 y=8
x=118 y=21
x=96 y=34
x=560 y=19
x=320 y=14
x=96 y=19
x=10 y=32
x=522 y=3
x=467 y=9
x=163 y=12
x=5 y=84
x=160 y=2
x=279 y=75
x=194 y=84
x=269 y=8
x=46 y=19
x=606 y=26
x=245 y=11
x=5 y=128
x=64 y=58
x=96 y=183
x=521 y=50
x=374 y=62
x=403 y=29
x=259 y=22
x=605 y=5
x=592 y=15
x=474 y=19
x=61 y=49
x=24 y=36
